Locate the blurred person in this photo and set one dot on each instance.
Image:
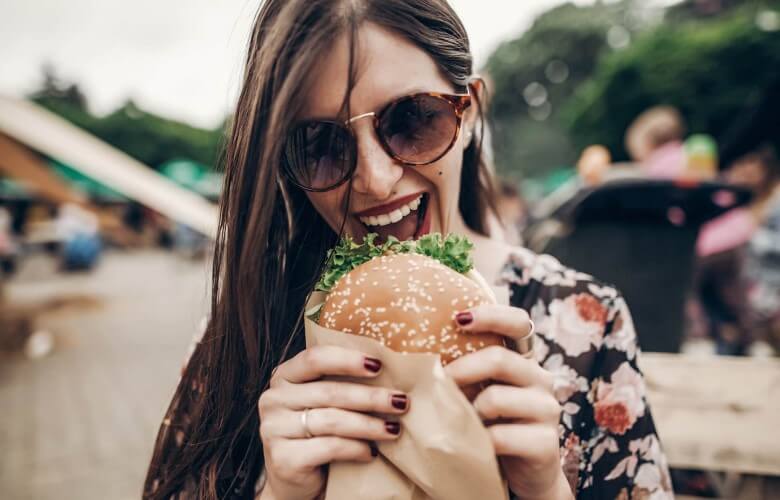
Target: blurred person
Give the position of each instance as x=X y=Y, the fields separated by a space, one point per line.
x=389 y=87
x=760 y=171
x=77 y=230
x=593 y=164
x=654 y=140
x=8 y=245
x=738 y=268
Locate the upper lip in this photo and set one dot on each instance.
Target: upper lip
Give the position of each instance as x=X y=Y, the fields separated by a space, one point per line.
x=389 y=207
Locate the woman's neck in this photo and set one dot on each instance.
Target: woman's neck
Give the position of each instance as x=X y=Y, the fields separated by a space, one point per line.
x=490 y=254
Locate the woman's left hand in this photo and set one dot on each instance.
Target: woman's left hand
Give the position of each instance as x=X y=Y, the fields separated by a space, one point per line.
x=519 y=409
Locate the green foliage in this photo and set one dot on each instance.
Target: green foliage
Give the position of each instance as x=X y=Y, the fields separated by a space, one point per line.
x=717 y=72
x=149 y=138
x=154 y=140
x=571 y=37
x=453 y=251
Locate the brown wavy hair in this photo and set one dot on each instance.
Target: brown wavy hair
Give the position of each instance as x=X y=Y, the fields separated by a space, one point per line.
x=271 y=242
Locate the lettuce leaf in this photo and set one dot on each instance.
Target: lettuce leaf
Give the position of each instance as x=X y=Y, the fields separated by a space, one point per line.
x=453 y=251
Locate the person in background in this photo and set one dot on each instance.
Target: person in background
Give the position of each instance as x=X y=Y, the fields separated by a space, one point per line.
x=655 y=141
x=593 y=164
x=760 y=171
x=8 y=247
x=77 y=229
x=738 y=275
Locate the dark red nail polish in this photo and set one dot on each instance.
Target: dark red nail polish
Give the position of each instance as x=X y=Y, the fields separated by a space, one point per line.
x=393 y=427
x=399 y=401
x=464 y=318
x=372 y=364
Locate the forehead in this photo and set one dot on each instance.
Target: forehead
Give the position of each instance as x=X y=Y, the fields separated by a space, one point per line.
x=387 y=66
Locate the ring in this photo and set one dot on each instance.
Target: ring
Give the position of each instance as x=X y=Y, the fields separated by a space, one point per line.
x=525 y=345
x=305 y=423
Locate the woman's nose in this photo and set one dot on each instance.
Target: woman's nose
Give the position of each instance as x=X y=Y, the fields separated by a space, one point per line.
x=377 y=173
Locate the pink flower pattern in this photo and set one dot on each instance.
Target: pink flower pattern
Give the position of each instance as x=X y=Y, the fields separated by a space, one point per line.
x=609 y=445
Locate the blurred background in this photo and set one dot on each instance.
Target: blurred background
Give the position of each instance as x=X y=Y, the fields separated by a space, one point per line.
x=634 y=140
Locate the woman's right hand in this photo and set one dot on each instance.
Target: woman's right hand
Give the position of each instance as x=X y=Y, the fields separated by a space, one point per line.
x=339 y=428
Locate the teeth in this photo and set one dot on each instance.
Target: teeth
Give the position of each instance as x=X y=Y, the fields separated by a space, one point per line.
x=396 y=215
x=392 y=217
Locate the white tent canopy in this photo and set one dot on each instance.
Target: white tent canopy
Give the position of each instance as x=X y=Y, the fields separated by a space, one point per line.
x=57 y=138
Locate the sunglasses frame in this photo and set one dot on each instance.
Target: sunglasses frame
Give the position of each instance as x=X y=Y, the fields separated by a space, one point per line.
x=459 y=103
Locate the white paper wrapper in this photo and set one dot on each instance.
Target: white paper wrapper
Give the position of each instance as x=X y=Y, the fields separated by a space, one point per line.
x=444 y=451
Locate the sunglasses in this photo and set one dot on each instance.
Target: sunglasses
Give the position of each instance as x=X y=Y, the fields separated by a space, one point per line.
x=418 y=129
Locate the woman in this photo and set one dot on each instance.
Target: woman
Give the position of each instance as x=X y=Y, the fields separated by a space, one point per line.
x=349 y=110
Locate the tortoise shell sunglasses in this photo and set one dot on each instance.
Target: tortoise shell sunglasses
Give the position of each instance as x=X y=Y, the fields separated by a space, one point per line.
x=416 y=130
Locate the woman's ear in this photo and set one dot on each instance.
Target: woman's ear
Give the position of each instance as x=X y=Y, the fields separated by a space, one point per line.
x=478 y=90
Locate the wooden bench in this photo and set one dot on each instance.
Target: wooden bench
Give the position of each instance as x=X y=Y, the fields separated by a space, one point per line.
x=719 y=414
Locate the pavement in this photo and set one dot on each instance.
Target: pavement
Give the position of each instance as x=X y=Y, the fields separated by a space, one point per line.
x=80 y=423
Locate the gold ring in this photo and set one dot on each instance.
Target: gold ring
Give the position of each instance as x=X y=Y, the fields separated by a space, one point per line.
x=525 y=345
x=305 y=423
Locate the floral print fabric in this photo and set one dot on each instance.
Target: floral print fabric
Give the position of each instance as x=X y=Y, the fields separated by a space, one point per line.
x=586 y=339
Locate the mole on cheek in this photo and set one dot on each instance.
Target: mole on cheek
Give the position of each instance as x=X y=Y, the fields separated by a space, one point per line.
x=439 y=172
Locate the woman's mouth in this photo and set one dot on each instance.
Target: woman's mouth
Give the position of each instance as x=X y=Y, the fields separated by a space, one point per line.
x=409 y=221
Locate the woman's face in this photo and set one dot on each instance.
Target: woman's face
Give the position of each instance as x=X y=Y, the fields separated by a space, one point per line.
x=388 y=66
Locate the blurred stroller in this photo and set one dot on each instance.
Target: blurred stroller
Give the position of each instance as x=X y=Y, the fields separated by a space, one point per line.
x=640 y=235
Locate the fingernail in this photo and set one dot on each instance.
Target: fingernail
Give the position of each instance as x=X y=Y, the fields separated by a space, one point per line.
x=372 y=364
x=399 y=401
x=464 y=318
x=393 y=427
x=374 y=451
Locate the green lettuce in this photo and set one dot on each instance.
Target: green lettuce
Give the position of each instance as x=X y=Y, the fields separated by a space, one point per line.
x=453 y=251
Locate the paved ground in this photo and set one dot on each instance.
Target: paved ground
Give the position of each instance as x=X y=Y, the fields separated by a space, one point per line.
x=80 y=423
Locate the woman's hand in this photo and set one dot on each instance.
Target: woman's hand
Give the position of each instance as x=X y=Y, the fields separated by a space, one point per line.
x=518 y=408
x=335 y=426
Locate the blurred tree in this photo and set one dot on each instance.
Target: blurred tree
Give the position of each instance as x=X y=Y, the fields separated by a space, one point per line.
x=535 y=74
x=154 y=140
x=147 y=137
x=722 y=73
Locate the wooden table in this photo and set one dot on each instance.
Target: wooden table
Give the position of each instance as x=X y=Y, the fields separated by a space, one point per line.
x=717 y=413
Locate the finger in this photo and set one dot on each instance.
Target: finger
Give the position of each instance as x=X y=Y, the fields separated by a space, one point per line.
x=508 y=321
x=530 y=441
x=316 y=362
x=500 y=364
x=327 y=394
x=504 y=401
x=330 y=422
x=297 y=455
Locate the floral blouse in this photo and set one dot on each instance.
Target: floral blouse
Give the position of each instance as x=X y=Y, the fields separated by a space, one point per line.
x=586 y=339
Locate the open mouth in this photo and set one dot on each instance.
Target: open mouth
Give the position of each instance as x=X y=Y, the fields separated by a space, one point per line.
x=407 y=222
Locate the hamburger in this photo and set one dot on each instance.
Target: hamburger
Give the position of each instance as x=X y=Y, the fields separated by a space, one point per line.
x=405 y=294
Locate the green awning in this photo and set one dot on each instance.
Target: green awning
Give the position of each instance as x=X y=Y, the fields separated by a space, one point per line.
x=11 y=190
x=194 y=176
x=92 y=188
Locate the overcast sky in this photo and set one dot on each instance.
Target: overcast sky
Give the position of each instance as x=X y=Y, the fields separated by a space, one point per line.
x=180 y=58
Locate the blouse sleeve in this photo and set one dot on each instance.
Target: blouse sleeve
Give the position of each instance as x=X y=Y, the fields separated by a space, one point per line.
x=622 y=456
x=587 y=341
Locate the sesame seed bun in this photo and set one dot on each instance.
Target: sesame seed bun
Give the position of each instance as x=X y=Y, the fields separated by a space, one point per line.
x=408 y=302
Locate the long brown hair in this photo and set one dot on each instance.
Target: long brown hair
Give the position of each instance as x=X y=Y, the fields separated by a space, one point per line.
x=272 y=243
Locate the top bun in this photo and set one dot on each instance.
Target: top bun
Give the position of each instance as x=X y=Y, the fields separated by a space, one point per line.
x=408 y=302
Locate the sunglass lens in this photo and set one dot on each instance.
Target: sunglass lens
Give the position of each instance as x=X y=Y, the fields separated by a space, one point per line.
x=319 y=155
x=419 y=129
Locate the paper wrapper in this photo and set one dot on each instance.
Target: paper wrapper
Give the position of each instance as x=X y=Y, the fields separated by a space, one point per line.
x=444 y=451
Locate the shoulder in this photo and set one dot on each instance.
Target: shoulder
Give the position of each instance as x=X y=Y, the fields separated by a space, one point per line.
x=576 y=313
